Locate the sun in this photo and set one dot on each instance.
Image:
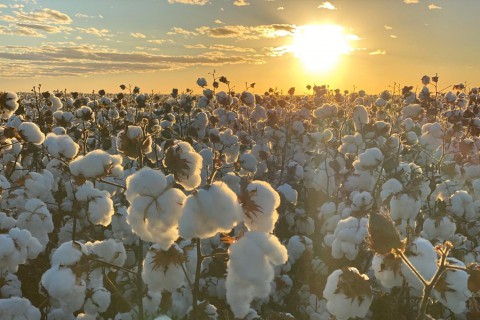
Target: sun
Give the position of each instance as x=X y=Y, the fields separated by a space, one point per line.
x=319 y=47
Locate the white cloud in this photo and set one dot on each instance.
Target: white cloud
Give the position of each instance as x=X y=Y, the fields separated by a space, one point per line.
x=280 y=8
x=248 y=32
x=218 y=21
x=45 y=15
x=222 y=47
x=3 y=5
x=411 y=1
x=193 y=2
x=393 y=36
x=327 y=5
x=432 y=6
x=195 y=46
x=181 y=31
x=377 y=52
x=95 y=31
x=387 y=27
x=241 y=3
x=138 y=35
x=159 y=41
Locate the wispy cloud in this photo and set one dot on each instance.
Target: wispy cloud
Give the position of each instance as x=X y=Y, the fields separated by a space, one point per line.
x=80 y=60
x=387 y=27
x=159 y=41
x=411 y=1
x=195 y=46
x=24 y=32
x=377 y=53
x=218 y=21
x=393 y=36
x=248 y=32
x=193 y=2
x=223 y=47
x=138 y=35
x=3 y=5
x=280 y=8
x=42 y=27
x=95 y=31
x=181 y=31
x=433 y=6
x=327 y=5
x=241 y=3
x=44 y=15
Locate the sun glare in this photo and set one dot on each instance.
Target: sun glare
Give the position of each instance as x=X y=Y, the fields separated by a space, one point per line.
x=319 y=47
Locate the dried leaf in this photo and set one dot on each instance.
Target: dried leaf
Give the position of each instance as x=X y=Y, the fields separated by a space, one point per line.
x=162 y=259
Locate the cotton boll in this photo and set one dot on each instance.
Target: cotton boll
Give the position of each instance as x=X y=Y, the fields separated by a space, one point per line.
x=259 y=201
x=18 y=309
x=10 y=286
x=289 y=193
x=154 y=209
x=423 y=257
x=326 y=111
x=99 y=204
x=61 y=146
x=404 y=206
x=338 y=293
x=30 y=132
x=297 y=245
x=98 y=300
x=209 y=211
x=349 y=234
x=250 y=278
x=37 y=219
x=162 y=270
x=8 y=104
x=463 y=205
x=151 y=303
x=64 y=288
x=452 y=288
x=110 y=250
x=69 y=253
x=232 y=181
x=248 y=162
x=185 y=164
x=369 y=160
x=133 y=140
x=413 y=111
x=387 y=270
x=362 y=201
x=439 y=228
x=390 y=187
x=96 y=164
x=360 y=117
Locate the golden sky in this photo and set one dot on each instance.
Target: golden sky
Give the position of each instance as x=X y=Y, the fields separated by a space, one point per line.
x=85 y=45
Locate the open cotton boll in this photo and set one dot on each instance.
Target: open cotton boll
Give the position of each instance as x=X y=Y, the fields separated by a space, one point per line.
x=260 y=201
x=154 y=209
x=6 y=222
x=423 y=257
x=8 y=104
x=250 y=278
x=360 y=117
x=98 y=300
x=404 y=206
x=61 y=146
x=37 y=219
x=390 y=187
x=10 y=286
x=362 y=201
x=370 y=159
x=64 y=288
x=30 y=132
x=185 y=164
x=40 y=185
x=99 y=204
x=16 y=308
x=132 y=141
x=96 y=164
x=349 y=234
x=463 y=205
x=387 y=270
x=289 y=193
x=232 y=181
x=69 y=253
x=110 y=250
x=162 y=269
x=325 y=111
x=412 y=111
x=439 y=228
x=209 y=211
x=343 y=301
x=297 y=245
x=248 y=162
x=452 y=288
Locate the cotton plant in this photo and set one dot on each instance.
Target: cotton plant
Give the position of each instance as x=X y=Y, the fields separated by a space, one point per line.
x=37 y=219
x=185 y=164
x=96 y=164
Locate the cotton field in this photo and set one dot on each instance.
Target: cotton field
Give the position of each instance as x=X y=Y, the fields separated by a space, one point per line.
x=212 y=204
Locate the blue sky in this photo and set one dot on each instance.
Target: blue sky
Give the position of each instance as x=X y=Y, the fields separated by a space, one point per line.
x=159 y=44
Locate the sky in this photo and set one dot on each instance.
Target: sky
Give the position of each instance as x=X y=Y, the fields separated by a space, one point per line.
x=86 y=45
